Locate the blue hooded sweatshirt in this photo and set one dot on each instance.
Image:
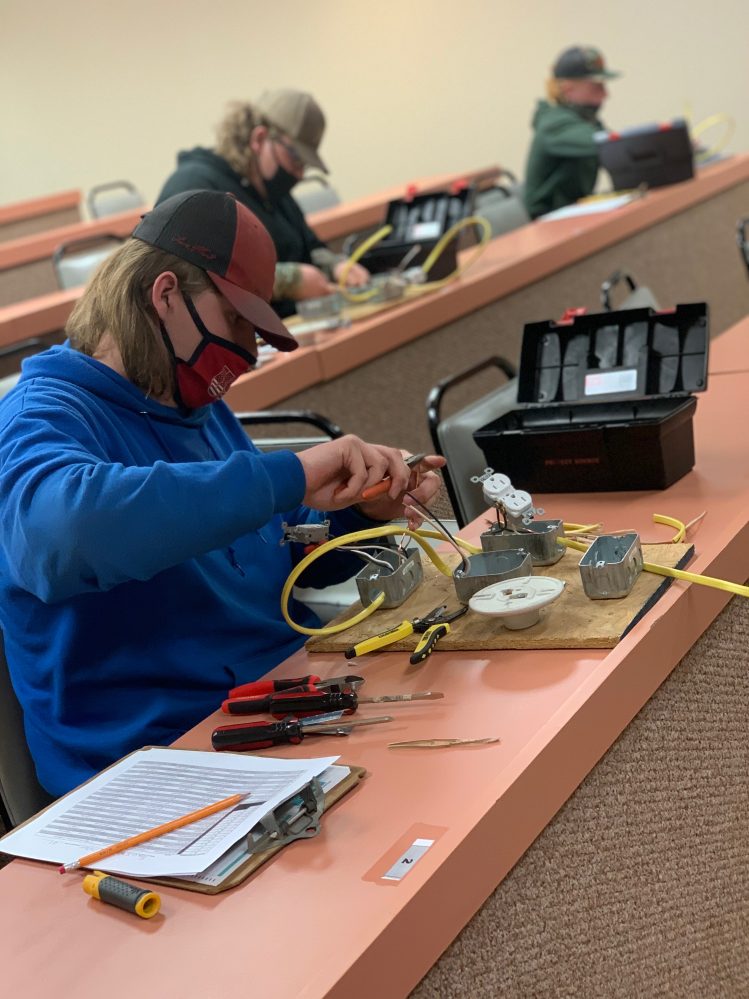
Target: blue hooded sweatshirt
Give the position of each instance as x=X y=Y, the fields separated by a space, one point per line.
x=140 y=562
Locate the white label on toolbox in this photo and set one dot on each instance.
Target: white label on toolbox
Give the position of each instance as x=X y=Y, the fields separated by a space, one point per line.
x=605 y=382
x=424 y=230
x=406 y=861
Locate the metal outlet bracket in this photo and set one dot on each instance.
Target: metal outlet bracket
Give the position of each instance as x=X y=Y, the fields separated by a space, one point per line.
x=490 y=567
x=397 y=583
x=611 y=565
x=540 y=538
x=306 y=534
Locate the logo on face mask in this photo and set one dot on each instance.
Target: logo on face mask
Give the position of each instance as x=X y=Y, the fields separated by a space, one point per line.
x=221 y=382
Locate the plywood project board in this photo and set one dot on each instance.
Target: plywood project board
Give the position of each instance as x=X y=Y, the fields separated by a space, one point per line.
x=571 y=622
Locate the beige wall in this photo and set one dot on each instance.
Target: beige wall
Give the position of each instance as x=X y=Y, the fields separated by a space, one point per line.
x=95 y=91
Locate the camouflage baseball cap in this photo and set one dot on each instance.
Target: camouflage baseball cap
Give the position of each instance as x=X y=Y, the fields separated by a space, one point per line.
x=582 y=62
x=298 y=116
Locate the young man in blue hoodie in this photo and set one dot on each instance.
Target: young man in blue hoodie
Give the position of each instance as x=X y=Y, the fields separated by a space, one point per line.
x=140 y=565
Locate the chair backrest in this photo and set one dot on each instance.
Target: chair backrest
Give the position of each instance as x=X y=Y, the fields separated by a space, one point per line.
x=109 y=199
x=742 y=227
x=280 y=417
x=74 y=262
x=8 y=382
x=21 y=794
x=314 y=193
x=502 y=207
x=453 y=435
x=639 y=297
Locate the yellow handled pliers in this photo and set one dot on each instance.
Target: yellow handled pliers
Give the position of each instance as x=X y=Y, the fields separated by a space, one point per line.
x=431 y=627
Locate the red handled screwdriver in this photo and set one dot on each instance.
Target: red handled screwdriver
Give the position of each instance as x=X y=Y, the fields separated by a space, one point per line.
x=309 y=701
x=301 y=703
x=240 y=738
x=260 y=687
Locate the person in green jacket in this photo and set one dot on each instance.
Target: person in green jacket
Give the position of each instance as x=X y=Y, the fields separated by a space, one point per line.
x=563 y=162
x=261 y=153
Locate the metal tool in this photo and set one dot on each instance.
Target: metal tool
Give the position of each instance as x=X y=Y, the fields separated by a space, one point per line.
x=309 y=701
x=382 y=487
x=240 y=738
x=439 y=743
x=259 y=688
x=421 y=625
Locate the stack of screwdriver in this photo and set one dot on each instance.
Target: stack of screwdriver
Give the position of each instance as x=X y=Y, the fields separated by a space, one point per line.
x=306 y=705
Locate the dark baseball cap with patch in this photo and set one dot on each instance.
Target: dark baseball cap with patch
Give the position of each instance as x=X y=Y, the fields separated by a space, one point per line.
x=582 y=62
x=213 y=231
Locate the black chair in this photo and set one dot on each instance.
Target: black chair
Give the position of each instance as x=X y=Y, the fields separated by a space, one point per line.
x=21 y=794
x=116 y=196
x=314 y=193
x=75 y=261
x=638 y=297
x=502 y=205
x=742 y=227
x=273 y=417
x=10 y=361
x=453 y=436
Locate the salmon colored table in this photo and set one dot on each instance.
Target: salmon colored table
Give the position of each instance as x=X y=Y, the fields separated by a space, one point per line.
x=319 y=921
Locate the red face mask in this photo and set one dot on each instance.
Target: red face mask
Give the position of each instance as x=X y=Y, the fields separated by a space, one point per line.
x=214 y=366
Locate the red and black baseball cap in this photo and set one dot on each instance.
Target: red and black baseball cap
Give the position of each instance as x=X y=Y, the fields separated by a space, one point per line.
x=213 y=231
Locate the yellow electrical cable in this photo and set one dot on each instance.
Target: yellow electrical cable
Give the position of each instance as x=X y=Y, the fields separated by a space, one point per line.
x=452 y=232
x=681 y=529
x=570 y=529
x=436 y=253
x=367 y=244
x=705 y=124
x=367 y=535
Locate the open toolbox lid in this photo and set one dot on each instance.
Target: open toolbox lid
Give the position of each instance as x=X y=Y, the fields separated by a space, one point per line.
x=425 y=217
x=615 y=356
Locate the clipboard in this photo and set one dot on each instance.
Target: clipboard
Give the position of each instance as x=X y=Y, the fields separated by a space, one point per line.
x=258 y=859
x=253 y=862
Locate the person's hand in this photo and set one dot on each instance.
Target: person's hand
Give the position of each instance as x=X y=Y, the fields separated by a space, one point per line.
x=356 y=276
x=338 y=471
x=312 y=283
x=423 y=485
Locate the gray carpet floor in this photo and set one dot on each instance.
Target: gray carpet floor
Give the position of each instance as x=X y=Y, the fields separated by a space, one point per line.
x=638 y=888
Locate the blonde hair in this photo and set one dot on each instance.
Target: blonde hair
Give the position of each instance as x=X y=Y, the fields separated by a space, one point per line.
x=117 y=301
x=233 y=136
x=554 y=90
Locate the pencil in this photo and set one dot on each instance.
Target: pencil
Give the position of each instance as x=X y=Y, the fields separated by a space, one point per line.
x=165 y=827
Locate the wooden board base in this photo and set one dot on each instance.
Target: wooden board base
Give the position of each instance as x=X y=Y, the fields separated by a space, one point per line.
x=571 y=622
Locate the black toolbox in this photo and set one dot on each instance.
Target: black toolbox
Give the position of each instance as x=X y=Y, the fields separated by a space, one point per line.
x=421 y=221
x=607 y=402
